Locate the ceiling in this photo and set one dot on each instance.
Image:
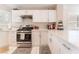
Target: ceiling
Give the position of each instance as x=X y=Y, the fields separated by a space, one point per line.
x=27 y=6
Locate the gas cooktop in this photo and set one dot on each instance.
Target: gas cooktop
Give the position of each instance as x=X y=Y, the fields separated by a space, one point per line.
x=27 y=28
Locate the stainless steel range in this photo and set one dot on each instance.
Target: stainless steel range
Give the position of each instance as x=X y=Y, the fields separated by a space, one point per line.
x=24 y=34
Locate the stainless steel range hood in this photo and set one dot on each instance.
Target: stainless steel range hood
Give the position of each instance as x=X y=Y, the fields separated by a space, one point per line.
x=26 y=16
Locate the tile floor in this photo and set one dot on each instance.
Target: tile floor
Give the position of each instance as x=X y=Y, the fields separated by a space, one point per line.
x=44 y=50
x=22 y=51
x=27 y=50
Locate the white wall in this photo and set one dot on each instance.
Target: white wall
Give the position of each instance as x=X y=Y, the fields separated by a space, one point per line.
x=59 y=10
x=39 y=24
x=65 y=11
x=27 y=21
x=68 y=11
x=62 y=14
x=72 y=10
x=74 y=37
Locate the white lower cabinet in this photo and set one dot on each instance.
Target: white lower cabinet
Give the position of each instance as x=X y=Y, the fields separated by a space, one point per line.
x=4 y=46
x=39 y=38
x=12 y=38
x=4 y=39
x=35 y=38
x=44 y=39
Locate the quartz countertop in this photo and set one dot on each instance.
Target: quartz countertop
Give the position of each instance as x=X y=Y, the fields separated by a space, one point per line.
x=6 y=30
x=60 y=33
x=58 y=45
x=40 y=30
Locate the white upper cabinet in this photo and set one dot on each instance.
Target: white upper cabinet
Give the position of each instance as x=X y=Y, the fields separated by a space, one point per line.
x=4 y=17
x=16 y=16
x=40 y=16
x=52 y=16
x=44 y=16
x=36 y=38
x=17 y=13
x=23 y=12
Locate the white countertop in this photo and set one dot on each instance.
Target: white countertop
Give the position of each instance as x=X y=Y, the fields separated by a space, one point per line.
x=6 y=30
x=60 y=46
x=40 y=30
x=60 y=33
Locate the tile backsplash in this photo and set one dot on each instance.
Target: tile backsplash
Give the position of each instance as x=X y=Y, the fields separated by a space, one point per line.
x=15 y=26
x=41 y=25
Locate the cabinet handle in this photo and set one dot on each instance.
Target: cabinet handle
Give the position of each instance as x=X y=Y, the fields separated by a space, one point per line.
x=40 y=35
x=50 y=39
x=40 y=38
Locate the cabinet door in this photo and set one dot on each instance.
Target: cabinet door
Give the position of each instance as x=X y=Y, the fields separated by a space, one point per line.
x=24 y=12
x=35 y=38
x=52 y=15
x=16 y=16
x=40 y=16
x=30 y=12
x=4 y=17
x=3 y=39
x=44 y=38
x=12 y=38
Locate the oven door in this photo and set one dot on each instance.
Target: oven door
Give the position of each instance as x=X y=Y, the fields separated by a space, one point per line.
x=23 y=37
